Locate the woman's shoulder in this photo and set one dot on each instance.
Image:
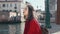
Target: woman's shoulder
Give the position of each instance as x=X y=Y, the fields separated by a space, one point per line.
x=34 y=21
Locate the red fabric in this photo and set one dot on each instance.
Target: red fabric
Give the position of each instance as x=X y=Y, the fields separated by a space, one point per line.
x=32 y=27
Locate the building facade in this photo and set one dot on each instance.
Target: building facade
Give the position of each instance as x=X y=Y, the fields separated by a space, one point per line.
x=9 y=8
x=53 y=10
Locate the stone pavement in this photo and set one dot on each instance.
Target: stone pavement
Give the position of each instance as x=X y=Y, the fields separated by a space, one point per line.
x=55 y=29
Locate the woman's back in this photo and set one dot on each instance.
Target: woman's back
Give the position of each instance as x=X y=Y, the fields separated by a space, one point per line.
x=32 y=27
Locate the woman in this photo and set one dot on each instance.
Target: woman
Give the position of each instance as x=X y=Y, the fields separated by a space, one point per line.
x=31 y=25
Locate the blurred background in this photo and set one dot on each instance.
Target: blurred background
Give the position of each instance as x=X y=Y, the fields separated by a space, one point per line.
x=47 y=12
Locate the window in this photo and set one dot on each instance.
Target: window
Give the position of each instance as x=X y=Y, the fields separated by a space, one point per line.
x=7 y=5
x=10 y=10
x=3 y=10
x=7 y=10
x=10 y=5
x=15 y=7
x=3 y=5
x=15 y=11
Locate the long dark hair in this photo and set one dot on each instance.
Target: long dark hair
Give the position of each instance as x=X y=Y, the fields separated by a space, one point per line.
x=30 y=12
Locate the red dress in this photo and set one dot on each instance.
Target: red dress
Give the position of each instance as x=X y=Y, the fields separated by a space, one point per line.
x=32 y=27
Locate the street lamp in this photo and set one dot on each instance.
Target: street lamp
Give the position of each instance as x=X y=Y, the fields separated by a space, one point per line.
x=47 y=19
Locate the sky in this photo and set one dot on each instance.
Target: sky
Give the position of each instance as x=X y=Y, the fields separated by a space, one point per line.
x=39 y=3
